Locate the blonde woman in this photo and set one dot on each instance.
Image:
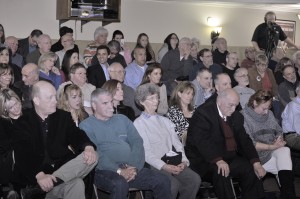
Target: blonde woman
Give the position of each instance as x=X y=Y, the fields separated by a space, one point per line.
x=71 y=100
x=47 y=69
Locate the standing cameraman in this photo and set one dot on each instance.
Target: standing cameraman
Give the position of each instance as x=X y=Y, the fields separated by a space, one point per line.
x=267 y=35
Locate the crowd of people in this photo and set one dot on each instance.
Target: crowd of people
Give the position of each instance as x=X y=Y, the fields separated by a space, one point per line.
x=120 y=118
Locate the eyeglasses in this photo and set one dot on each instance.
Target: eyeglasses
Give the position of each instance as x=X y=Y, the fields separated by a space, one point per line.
x=242 y=75
x=153 y=99
x=119 y=72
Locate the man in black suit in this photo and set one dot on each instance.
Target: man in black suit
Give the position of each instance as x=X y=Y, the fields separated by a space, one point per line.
x=217 y=145
x=50 y=151
x=97 y=74
x=29 y=44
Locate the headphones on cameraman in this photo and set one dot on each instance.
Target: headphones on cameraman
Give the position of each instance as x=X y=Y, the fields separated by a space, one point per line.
x=269 y=13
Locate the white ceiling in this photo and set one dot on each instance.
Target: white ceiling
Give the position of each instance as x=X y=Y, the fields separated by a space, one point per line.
x=274 y=5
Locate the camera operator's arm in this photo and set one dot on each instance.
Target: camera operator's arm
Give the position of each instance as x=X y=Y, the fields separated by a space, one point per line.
x=255 y=45
x=290 y=42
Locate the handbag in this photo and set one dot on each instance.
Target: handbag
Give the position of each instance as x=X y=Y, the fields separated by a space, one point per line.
x=173 y=160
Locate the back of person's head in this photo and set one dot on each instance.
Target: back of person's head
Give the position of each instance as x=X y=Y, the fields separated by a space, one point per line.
x=111 y=86
x=261 y=58
x=149 y=70
x=180 y=88
x=6 y=95
x=36 y=33
x=260 y=97
x=64 y=30
x=283 y=62
x=100 y=30
x=114 y=45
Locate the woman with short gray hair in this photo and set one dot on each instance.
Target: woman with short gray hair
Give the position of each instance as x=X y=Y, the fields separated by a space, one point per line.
x=160 y=140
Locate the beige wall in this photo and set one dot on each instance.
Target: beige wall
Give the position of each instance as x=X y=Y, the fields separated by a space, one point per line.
x=155 y=18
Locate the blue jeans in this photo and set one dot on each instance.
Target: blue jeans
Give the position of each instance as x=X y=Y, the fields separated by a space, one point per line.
x=145 y=179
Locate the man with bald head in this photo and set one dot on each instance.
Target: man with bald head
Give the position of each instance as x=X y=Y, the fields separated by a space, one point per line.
x=30 y=75
x=219 y=147
x=52 y=155
x=116 y=71
x=12 y=43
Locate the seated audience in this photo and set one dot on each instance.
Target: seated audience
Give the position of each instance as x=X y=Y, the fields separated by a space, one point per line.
x=59 y=45
x=159 y=139
x=170 y=43
x=97 y=74
x=268 y=140
x=182 y=108
x=286 y=89
x=220 y=53
x=47 y=134
x=5 y=58
x=231 y=66
x=290 y=121
x=125 y=50
x=278 y=70
x=153 y=75
x=2 y=34
x=117 y=72
x=78 y=77
x=206 y=59
x=143 y=41
x=100 y=38
x=29 y=44
x=10 y=111
x=249 y=60
x=121 y=150
x=218 y=146
x=136 y=69
x=71 y=57
x=71 y=100
x=47 y=69
x=195 y=48
x=16 y=58
x=203 y=86
x=241 y=77
x=177 y=64
x=30 y=76
x=115 y=88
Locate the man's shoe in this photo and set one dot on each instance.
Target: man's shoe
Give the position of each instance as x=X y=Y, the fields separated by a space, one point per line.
x=32 y=192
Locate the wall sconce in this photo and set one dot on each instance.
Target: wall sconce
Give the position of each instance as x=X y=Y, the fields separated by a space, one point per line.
x=298 y=16
x=214 y=22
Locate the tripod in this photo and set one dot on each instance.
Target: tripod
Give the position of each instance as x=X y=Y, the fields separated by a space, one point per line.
x=271 y=43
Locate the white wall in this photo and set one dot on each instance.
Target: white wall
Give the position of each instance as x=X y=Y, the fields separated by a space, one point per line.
x=157 y=19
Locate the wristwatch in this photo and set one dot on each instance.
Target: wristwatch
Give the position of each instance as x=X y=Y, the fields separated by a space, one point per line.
x=119 y=171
